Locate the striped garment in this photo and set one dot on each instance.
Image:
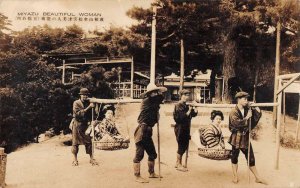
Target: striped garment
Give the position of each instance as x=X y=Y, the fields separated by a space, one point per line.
x=211 y=136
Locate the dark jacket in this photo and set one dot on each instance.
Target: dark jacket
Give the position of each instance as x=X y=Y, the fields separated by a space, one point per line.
x=183 y=122
x=81 y=123
x=239 y=126
x=147 y=119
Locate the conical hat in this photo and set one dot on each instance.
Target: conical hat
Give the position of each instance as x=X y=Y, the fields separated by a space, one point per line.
x=153 y=87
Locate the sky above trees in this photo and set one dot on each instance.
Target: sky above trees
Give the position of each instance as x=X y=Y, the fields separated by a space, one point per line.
x=113 y=12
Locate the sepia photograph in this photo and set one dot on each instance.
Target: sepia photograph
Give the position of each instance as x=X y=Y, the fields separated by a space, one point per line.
x=149 y=93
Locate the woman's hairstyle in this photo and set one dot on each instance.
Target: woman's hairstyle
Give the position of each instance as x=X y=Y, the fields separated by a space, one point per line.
x=215 y=113
x=109 y=107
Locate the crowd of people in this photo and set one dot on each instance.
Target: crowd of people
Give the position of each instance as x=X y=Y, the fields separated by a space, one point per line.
x=210 y=137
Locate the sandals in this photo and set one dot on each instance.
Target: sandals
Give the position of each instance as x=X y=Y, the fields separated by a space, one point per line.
x=75 y=163
x=94 y=162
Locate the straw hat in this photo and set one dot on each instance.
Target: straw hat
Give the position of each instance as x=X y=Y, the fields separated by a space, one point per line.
x=151 y=88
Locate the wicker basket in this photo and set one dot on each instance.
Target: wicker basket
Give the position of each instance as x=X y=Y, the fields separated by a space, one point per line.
x=112 y=145
x=214 y=154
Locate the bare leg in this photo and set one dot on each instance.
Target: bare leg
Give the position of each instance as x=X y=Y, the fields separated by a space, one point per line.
x=74 y=150
x=179 y=166
x=92 y=160
x=234 y=172
x=258 y=179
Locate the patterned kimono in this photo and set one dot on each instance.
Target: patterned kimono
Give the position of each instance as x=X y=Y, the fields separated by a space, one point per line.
x=238 y=127
x=107 y=127
x=212 y=136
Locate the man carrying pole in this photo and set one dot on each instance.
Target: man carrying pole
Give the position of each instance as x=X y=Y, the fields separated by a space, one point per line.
x=148 y=117
x=81 y=117
x=183 y=114
x=239 y=118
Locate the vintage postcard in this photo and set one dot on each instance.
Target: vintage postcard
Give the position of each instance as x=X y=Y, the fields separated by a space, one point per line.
x=149 y=93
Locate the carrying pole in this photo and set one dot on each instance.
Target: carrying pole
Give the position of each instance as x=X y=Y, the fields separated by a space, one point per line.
x=158 y=147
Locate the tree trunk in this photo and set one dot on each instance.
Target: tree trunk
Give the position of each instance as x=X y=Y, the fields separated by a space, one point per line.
x=212 y=83
x=230 y=50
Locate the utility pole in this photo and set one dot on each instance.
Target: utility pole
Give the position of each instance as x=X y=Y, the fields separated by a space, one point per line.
x=153 y=46
x=277 y=66
x=181 y=64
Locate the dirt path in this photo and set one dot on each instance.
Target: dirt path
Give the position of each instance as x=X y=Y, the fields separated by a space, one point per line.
x=48 y=164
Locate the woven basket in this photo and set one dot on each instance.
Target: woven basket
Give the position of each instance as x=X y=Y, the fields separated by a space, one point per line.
x=214 y=154
x=112 y=145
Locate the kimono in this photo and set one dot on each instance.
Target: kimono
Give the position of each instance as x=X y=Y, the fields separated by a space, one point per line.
x=182 y=127
x=107 y=127
x=212 y=137
x=80 y=120
x=238 y=127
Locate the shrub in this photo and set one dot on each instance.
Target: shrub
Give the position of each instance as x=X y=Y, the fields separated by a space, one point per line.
x=288 y=141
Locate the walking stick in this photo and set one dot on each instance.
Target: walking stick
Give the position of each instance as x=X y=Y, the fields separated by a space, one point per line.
x=249 y=149
x=187 y=150
x=187 y=154
x=158 y=147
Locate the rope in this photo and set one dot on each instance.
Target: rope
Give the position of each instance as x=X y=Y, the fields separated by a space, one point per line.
x=126 y=122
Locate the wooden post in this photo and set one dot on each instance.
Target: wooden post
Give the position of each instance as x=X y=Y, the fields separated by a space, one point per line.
x=181 y=64
x=278 y=127
x=283 y=111
x=153 y=46
x=131 y=78
x=63 y=72
x=277 y=66
x=297 y=131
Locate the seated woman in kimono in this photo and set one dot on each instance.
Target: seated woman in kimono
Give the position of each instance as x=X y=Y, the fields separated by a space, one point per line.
x=107 y=130
x=211 y=136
